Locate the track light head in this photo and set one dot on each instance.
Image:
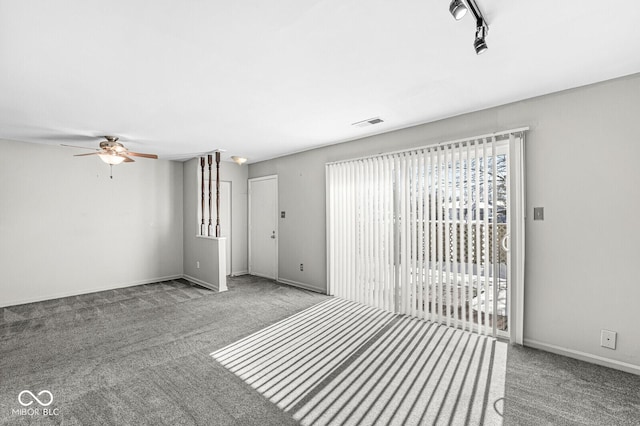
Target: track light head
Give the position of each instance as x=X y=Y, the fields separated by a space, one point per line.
x=480 y=45
x=457 y=9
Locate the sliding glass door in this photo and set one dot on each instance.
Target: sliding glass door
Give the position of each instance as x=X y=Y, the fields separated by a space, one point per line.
x=426 y=232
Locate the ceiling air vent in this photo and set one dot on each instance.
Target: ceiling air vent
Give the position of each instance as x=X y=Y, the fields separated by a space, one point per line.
x=368 y=122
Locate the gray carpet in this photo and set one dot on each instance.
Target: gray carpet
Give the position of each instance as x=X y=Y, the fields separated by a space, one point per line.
x=547 y=389
x=141 y=356
x=341 y=362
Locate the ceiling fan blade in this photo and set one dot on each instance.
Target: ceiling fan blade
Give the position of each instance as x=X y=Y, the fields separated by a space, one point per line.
x=81 y=147
x=91 y=153
x=69 y=137
x=139 y=154
x=127 y=159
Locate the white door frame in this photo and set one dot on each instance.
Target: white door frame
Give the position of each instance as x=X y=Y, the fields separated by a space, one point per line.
x=251 y=180
x=516 y=232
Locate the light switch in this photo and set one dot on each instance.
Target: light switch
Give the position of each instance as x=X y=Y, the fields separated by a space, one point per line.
x=538 y=213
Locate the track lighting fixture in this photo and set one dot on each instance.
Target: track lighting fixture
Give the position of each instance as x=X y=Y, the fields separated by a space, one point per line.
x=458 y=10
x=480 y=44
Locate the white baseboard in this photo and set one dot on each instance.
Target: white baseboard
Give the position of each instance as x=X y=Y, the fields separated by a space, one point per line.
x=238 y=273
x=301 y=285
x=255 y=274
x=583 y=356
x=200 y=282
x=93 y=290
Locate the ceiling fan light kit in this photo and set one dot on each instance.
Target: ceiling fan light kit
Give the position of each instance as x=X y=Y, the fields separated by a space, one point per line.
x=111 y=159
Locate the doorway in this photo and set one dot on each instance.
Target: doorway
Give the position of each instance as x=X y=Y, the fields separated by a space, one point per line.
x=436 y=233
x=263 y=227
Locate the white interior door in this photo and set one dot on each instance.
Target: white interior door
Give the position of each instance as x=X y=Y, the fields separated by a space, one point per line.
x=263 y=227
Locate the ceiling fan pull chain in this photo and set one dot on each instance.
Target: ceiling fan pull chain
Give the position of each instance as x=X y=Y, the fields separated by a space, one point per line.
x=111 y=171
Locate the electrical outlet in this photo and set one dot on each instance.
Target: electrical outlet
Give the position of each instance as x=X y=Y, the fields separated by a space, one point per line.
x=608 y=339
x=198 y=264
x=302 y=267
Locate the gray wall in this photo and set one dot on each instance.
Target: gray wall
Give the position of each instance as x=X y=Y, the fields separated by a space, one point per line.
x=581 y=165
x=238 y=175
x=202 y=249
x=66 y=228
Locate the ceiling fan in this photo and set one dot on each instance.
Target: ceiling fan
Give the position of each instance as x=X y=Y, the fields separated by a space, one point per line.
x=113 y=152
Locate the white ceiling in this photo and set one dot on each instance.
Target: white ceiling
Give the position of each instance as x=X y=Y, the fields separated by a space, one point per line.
x=262 y=79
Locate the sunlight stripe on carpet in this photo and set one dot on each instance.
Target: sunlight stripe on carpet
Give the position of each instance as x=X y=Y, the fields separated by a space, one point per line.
x=340 y=362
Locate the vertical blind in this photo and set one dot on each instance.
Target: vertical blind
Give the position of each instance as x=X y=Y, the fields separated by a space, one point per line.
x=419 y=232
